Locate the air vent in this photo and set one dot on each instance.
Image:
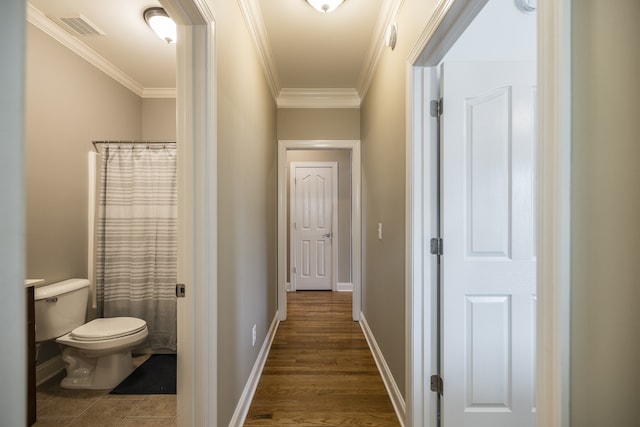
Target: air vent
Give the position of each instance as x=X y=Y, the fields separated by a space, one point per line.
x=81 y=26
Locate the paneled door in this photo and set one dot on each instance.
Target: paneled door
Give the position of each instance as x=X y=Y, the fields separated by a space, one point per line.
x=313 y=220
x=489 y=248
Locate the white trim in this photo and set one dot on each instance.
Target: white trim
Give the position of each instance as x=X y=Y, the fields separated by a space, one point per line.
x=335 y=230
x=197 y=380
x=344 y=287
x=253 y=17
x=388 y=14
x=49 y=369
x=318 y=98
x=42 y=22
x=390 y=384
x=288 y=286
x=242 y=409
x=159 y=92
x=554 y=204
x=356 y=215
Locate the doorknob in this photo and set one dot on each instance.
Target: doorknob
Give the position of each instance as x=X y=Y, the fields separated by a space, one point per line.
x=327 y=235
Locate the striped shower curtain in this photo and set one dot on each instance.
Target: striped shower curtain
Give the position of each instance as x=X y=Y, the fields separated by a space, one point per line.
x=136 y=252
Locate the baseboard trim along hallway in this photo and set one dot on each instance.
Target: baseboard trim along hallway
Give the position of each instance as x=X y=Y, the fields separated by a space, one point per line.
x=242 y=409
x=392 y=387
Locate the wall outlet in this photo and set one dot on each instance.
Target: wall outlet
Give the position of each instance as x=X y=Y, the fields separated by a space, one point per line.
x=253 y=336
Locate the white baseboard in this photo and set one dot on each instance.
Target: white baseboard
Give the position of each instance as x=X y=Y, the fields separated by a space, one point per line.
x=288 y=286
x=345 y=287
x=49 y=369
x=387 y=378
x=242 y=409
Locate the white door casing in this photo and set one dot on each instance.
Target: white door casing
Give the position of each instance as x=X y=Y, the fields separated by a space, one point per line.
x=314 y=225
x=488 y=229
x=356 y=216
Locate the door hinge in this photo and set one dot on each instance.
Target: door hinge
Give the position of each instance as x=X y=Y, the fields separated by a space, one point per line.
x=180 y=290
x=435 y=108
x=437 y=385
x=436 y=246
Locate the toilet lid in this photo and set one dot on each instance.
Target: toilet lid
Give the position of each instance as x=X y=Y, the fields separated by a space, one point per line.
x=108 y=328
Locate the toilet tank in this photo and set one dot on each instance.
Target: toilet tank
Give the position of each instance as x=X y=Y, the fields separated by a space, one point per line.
x=60 y=307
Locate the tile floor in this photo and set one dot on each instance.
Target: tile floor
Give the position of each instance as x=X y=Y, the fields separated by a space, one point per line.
x=60 y=407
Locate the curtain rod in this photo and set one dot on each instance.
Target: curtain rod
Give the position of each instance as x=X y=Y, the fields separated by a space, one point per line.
x=95 y=143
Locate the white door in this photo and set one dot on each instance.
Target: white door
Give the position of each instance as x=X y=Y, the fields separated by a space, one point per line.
x=488 y=263
x=313 y=195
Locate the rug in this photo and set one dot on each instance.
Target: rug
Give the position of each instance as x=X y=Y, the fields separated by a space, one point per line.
x=157 y=375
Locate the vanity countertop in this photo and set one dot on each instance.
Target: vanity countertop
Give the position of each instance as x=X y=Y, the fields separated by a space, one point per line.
x=33 y=282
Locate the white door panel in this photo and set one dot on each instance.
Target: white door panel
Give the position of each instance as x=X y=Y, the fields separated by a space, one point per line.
x=488 y=342
x=312 y=215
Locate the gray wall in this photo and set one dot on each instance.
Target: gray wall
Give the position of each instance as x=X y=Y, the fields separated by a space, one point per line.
x=343 y=158
x=383 y=190
x=246 y=205
x=318 y=123
x=605 y=285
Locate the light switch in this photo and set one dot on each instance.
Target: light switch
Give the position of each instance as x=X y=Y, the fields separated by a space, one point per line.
x=379 y=231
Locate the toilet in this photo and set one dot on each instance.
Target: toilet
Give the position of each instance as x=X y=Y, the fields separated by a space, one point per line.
x=97 y=354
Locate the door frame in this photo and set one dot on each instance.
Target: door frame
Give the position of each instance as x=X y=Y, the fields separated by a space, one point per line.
x=196 y=105
x=356 y=216
x=334 y=218
x=448 y=22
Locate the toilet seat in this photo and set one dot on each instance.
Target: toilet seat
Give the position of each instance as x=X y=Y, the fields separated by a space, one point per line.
x=108 y=328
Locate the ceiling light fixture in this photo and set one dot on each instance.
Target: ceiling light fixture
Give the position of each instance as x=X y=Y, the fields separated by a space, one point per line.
x=325 y=6
x=160 y=22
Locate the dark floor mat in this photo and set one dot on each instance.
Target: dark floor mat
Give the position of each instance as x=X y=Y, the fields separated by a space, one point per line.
x=157 y=375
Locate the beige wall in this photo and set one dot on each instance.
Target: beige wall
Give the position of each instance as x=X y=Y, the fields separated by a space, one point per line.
x=69 y=103
x=318 y=123
x=159 y=119
x=383 y=189
x=246 y=205
x=605 y=267
x=343 y=158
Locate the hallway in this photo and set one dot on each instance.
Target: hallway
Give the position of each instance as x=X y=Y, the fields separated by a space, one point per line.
x=320 y=371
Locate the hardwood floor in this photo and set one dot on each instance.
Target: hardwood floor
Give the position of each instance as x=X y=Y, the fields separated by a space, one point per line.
x=320 y=371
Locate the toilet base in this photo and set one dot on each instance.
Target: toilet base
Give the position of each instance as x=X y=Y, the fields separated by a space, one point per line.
x=95 y=372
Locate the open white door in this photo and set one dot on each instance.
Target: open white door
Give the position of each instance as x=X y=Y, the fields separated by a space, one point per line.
x=488 y=229
x=313 y=223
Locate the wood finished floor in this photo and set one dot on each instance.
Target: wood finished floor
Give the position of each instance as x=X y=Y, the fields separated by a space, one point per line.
x=320 y=371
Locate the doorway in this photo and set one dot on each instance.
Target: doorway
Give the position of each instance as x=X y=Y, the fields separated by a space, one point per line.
x=423 y=404
x=353 y=147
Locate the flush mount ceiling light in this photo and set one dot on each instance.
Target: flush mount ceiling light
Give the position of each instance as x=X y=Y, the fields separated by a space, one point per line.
x=325 y=6
x=160 y=22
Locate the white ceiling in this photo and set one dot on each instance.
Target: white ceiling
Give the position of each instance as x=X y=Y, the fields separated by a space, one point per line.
x=303 y=48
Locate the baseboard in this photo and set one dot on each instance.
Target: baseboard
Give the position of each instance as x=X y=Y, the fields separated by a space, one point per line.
x=242 y=409
x=345 y=287
x=49 y=369
x=387 y=378
x=288 y=287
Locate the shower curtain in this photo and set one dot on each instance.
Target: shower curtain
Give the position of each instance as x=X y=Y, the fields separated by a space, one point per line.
x=136 y=265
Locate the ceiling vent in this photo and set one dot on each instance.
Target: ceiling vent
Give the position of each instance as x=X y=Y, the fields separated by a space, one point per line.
x=81 y=26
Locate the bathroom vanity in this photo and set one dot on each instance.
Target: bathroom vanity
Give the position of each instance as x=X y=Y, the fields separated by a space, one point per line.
x=30 y=284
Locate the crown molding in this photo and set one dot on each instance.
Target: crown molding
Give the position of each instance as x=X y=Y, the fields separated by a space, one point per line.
x=42 y=22
x=253 y=17
x=159 y=92
x=318 y=98
x=388 y=14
